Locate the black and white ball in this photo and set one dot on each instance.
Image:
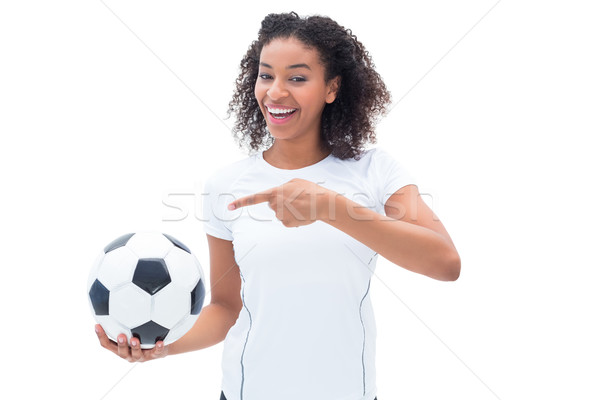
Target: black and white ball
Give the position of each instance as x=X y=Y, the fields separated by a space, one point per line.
x=146 y=285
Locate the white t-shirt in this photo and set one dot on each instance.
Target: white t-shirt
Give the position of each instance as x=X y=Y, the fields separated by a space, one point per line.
x=306 y=330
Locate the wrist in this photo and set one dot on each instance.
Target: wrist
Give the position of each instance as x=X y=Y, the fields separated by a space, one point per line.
x=326 y=206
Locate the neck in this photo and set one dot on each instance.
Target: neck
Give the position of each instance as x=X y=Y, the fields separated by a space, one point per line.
x=292 y=156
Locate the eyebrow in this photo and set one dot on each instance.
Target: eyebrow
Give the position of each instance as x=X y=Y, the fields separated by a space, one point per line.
x=288 y=67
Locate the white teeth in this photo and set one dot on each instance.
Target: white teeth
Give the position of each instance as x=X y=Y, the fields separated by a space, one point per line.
x=280 y=110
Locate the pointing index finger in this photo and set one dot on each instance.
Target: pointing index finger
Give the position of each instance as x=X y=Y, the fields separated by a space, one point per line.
x=250 y=200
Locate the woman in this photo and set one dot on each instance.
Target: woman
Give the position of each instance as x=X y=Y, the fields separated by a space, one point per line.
x=294 y=231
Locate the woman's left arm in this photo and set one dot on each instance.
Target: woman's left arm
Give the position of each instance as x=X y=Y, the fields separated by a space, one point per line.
x=409 y=235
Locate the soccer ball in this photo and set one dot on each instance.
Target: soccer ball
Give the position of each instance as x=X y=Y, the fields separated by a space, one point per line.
x=146 y=285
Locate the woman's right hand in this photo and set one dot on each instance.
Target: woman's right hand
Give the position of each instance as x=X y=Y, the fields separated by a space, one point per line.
x=133 y=353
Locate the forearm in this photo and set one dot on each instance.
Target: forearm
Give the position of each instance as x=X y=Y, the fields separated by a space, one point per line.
x=210 y=328
x=410 y=246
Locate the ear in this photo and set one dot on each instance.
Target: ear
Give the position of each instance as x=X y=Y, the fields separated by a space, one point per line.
x=332 y=89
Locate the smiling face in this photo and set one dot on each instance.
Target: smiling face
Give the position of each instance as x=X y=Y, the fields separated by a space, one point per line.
x=291 y=89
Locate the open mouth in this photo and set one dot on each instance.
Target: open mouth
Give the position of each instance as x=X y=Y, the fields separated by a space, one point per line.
x=281 y=113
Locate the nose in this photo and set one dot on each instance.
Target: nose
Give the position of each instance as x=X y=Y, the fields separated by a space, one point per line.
x=277 y=90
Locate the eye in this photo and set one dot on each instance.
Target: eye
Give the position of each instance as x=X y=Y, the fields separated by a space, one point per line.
x=264 y=76
x=298 y=79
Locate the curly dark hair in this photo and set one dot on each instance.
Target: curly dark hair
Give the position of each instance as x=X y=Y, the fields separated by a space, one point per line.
x=347 y=123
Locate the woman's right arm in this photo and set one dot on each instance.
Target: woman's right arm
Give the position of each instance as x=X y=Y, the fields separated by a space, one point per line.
x=214 y=320
x=218 y=317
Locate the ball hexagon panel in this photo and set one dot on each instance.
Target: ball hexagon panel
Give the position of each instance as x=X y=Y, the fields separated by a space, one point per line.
x=180 y=329
x=167 y=302
x=116 y=268
x=151 y=274
x=130 y=305
x=183 y=268
x=149 y=245
x=94 y=271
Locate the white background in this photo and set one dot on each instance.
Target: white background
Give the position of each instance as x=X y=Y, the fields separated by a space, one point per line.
x=107 y=108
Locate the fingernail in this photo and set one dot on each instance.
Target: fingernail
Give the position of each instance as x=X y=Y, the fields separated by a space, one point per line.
x=121 y=340
x=133 y=343
x=159 y=346
x=231 y=207
x=96 y=329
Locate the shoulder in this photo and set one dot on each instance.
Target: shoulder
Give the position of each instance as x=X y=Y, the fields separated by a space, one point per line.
x=372 y=164
x=383 y=160
x=379 y=155
x=368 y=155
x=375 y=158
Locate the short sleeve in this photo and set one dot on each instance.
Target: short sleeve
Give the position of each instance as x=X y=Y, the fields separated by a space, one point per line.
x=214 y=203
x=391 y=175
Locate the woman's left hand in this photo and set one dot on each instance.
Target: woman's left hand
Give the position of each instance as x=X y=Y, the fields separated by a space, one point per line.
x=297 y=202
